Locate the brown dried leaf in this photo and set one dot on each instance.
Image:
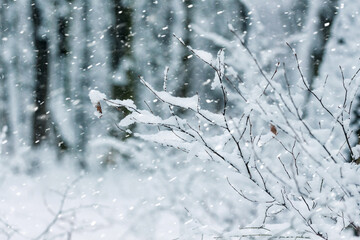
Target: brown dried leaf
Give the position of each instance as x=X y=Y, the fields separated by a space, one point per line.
x=273 y=129
x=98 y=108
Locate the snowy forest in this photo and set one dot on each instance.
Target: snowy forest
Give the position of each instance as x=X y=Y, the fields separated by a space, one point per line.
x=179 y=119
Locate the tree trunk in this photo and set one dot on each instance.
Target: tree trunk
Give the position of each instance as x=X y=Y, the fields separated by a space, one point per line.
x=120 y=48
x=61 y=77
x=4 y=95
x=186 y=72
x=41 y=46
x=82 y=116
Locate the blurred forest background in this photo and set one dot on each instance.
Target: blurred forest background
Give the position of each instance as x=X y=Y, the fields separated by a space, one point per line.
x=53 y=52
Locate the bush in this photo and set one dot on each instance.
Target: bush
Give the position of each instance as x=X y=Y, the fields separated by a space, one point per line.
x=281 y=145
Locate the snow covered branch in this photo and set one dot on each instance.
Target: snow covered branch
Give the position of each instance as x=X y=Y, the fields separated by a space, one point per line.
x=291 y=165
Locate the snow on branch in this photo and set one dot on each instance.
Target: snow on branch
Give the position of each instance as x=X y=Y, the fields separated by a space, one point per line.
x=299 y=173
x=187 y=103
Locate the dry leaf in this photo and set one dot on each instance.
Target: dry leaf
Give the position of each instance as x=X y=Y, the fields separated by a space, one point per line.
x=273 y=129
x=98 y=108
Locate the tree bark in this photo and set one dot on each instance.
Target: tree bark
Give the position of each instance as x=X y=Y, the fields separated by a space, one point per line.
x=41 y=46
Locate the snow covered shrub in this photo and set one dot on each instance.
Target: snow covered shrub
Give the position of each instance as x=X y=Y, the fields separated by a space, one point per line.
x=287 y=158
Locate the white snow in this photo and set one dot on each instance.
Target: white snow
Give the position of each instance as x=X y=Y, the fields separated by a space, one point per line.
x=187 y=103
x=96 y=96
x=356 y=151
x=204 y=55
x=128 y=103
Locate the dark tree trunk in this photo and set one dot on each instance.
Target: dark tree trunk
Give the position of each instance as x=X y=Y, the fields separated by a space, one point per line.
x=82 y=116
x=120 y=47
x=120 y=33
x=186 y=72
x=327 y=15
x=63 y=50
x=62 y=71
x=41 y=46
x=120 y=37
x=4 y=96
x=244 y=20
